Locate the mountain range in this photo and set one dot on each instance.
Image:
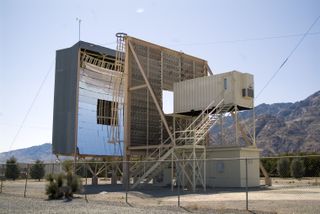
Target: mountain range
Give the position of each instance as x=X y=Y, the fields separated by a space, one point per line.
x=31 y=154
x=280 y=128
x=289 y=127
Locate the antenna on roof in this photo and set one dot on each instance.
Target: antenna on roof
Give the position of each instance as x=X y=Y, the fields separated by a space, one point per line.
x=79 y=22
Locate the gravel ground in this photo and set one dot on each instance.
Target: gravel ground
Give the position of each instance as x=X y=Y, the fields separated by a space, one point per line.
x=17 y=204
x=111 y=199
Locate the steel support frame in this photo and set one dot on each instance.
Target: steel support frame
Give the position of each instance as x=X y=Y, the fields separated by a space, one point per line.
x=154 y=98
x=197 y=155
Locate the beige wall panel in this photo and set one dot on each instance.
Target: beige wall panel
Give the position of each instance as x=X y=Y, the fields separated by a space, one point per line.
x=197 y=94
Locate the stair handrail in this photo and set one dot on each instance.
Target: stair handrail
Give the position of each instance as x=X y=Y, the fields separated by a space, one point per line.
x=196 y=142
x=216 y=108
x=206 y=109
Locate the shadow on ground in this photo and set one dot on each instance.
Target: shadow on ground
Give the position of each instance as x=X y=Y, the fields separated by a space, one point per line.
x=153 y=191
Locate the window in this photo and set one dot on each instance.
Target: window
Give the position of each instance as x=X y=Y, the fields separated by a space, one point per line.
x=225 y=83
x=250 y=92
x=247 y=92
x=106 y=110
x=244 y=92
x=167 y=104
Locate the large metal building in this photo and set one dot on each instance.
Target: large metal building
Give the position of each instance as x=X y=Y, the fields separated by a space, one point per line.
x=110 y=103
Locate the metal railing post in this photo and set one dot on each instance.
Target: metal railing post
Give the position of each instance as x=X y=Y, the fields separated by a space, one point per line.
x=25 y=186
x=1 y=184
x=2 y=177
x=247 y=205
x=127 y=184
x=178 y=183
x=85 y=171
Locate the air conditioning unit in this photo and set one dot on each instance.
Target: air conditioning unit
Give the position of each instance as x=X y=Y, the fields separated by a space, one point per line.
x=247 y=92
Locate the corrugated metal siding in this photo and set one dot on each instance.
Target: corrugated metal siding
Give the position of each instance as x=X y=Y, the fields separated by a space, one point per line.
x=197 y=94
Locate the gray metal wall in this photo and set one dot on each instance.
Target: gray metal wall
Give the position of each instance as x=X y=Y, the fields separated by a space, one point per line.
x=66 y=89
x=64 y=110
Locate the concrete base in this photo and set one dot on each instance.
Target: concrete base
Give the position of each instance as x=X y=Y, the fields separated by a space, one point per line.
x=226 y=166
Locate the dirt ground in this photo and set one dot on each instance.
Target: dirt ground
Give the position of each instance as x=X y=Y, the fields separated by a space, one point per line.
x=285 y=196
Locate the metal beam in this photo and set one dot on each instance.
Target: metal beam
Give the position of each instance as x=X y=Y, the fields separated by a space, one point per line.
x=151 y=91
x=137 y=87
x=148 y=147
x=209 y=69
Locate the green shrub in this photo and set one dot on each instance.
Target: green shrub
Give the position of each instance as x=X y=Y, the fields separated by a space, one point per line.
x=67 y=166
x=12 y=169
x=312 y=166
x=60 y=185
x=37 y=170
x=270 y=165
x=297 y=168
x=283 y=167
x=53 y=188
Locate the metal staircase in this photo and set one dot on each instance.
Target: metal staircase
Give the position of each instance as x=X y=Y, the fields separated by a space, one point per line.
x=198 y=129
x=193 y=135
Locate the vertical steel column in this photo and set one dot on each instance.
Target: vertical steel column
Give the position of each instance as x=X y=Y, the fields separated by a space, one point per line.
x=205 y=169
x=86 y=182
x=178 y=181
x=127 y=118
x=236 y=123
x=194 y=69
x=194 y=162
x=148 y=102
x=1 y=184
x=161 y=76
x=221 y=131
x=174 y=144
x=254 y=125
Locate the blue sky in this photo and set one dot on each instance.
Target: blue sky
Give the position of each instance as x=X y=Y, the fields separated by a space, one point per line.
x=230 y=35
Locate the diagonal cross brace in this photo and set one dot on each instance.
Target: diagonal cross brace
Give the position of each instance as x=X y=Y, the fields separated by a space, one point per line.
x=164 y=121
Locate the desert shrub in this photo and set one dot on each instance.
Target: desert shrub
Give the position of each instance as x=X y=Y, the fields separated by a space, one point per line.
x=297 y=168
x=37 y=170
x=74 y=182
x=67 y=166
x=270 y=165
x=312 y=166
x=54 y=186
x=12 y=168
x=283 y=167
x=60 y=185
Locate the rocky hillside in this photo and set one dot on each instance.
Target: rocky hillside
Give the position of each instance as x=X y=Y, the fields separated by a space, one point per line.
x=285 y=127
x=290 y=127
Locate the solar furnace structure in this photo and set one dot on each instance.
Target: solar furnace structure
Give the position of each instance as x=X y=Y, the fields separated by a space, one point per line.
x=110 y=103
